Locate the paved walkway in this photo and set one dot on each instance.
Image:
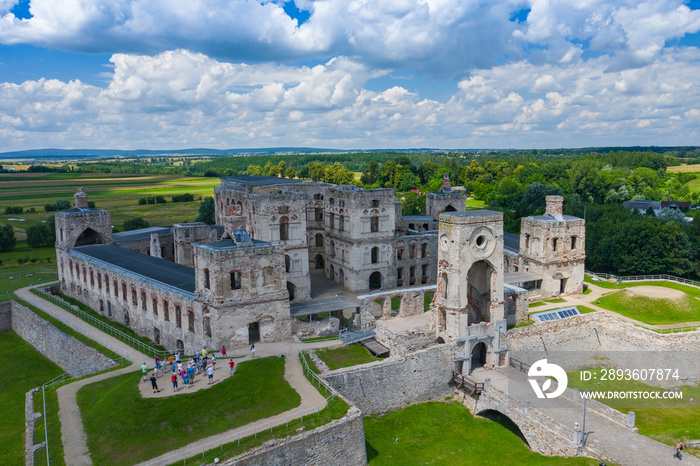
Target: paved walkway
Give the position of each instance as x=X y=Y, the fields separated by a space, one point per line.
x=605 y=436
x=72 y=433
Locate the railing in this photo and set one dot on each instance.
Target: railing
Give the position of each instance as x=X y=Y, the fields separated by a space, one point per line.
x=258 y=429
x=105 y=327
x=62 y=379
x=464 y=383
x=366 y=331
x=637 y=278
x=521 y=366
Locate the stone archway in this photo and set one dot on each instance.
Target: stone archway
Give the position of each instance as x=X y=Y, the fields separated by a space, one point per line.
x=449 y=208
x=375 y=281
x=478 y=356
x=291 y=289
x=479 y=292
x=319 y=262
x=88 y=236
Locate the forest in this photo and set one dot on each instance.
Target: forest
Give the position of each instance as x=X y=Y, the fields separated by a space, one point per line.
x=594 y=185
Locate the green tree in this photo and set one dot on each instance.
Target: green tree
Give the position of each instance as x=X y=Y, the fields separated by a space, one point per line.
x=412 y=203
x=369 y=175
x=136 y=223
x=207 y=211
x=7 y=238
x=39 y=235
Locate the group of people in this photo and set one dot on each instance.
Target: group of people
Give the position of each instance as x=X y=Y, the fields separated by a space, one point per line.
x=198 y=364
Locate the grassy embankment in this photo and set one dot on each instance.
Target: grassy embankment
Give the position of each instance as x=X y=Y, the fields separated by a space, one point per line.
x=23 y=368
x=143 y=428
x=447 y=433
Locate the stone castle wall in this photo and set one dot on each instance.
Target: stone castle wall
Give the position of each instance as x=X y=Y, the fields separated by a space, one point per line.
x=396 y=382
x=601 y=340
x=65 y=351
x=340 y=442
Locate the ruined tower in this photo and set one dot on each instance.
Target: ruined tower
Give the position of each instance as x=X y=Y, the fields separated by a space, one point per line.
x=469 y=302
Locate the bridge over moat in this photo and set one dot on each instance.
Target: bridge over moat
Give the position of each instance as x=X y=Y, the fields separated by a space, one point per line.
x=548 y=425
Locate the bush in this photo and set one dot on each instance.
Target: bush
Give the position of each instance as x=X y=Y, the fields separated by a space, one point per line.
x=207 y=211
x=7 y=238
x=160 y=200
x=187 y=197
x=13 y=210
x=91 y=204
x=32 y=210
x=136 y=223
x=33 y=260
x=142 y=201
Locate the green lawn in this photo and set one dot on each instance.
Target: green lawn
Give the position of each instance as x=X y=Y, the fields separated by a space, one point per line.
x=655 y=311
x=23 y=368
x=538 y=304
x=584 y=309
x=345 y=356
x=124 y=428
x=23 y=255
x=662 y=420
x=427 y=300
x=448 y=434
x=18 y=281
x=315 y=339
x=556 y=300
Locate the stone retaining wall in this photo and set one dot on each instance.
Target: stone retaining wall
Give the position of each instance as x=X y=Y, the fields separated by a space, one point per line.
x=68 y=353
x=340 y=442
x=30 y=419
x=5 y=316
x=602 y=340
x=396 y=382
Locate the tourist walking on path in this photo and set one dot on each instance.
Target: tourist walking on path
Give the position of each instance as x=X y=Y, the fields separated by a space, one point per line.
x=230 y=366
x=174 y=380
x=204 y=353
x=213 y=362
x=154 y=385
x=186 y=380
x=144 y=371
x=177 y=357
x=252 y=350
x=157 y=363
x=155 y=371
x=677 y=450
x=223 y=351
x=211 y=375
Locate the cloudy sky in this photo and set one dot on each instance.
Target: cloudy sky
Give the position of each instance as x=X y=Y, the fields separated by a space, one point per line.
x=348 y=74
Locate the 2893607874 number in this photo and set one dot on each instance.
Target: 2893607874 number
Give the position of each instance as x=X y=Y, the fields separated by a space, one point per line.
x=641 y=375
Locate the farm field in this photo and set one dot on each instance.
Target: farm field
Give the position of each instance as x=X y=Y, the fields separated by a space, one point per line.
x=117 y=193
x=684 y=169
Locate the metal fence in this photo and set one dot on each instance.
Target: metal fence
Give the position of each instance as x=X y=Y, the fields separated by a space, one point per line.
x=367 y=330
x=640 y=278
x=254 y=431
x=105 y=327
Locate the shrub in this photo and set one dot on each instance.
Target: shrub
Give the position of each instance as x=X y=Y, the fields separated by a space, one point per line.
x=160 y=200
x=56 y=206
x=13 y=210
x=7 y=238
x=39 y=235
x=142 y=201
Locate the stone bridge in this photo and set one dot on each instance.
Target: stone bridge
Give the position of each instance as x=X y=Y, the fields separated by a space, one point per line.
x=548 y=425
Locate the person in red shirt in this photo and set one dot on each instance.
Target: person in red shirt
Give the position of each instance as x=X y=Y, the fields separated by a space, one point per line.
x=174 y=379
x=230 y=366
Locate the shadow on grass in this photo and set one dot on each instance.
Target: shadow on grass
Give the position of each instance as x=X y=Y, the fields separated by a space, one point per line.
x=505 y=421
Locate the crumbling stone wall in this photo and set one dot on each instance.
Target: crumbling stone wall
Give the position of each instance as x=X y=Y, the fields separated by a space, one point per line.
x=599 y=339
x=317 y=328
x=396 y=382
x=340 y=442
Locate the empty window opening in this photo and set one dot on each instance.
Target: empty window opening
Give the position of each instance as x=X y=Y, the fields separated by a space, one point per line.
x=375 y=255
x=573 y=242
x=399 y=276
x=206 y=278
x=235 y=280
x=374 y=224
x=319 y=239
x=424 y=250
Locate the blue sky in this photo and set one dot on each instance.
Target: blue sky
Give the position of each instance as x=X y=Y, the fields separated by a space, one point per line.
x=348 y=73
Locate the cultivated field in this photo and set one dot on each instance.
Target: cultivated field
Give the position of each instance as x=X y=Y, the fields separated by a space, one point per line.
x=117 y=193
x=684 y=169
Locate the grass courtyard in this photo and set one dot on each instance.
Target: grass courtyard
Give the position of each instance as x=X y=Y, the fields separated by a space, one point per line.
x=124 y=428
x=23 y=368
x=676 y=304
x=345 y=356
x=447 y=434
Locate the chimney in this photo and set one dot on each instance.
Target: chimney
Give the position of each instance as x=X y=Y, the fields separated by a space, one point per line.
x=554 y=206
x=80 y=198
